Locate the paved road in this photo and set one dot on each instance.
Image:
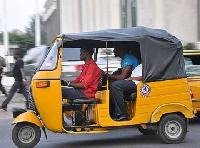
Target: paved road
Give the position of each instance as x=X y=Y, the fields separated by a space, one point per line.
x=127 y=138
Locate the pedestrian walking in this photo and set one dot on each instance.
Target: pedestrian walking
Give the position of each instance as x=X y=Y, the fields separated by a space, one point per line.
x=20 y=81
x=2 y=64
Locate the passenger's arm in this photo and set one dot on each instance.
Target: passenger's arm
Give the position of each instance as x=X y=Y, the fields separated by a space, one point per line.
x=134 y=78
x=126 y=70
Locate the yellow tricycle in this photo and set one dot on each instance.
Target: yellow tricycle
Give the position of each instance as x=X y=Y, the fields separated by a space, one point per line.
x=162 y=103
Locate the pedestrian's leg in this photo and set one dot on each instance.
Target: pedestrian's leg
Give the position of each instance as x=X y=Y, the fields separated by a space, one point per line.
x=12 y=91
x=1 y=86
x=25 y=93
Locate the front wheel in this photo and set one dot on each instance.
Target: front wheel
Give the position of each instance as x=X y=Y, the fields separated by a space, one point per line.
x=172 y=129
x=26 y=135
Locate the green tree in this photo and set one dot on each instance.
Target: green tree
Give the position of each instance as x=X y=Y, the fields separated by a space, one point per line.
x=26 y=40
x=189 y=46
x=23 y=40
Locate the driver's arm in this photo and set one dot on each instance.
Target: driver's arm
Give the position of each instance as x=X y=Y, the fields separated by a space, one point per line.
x=77 y=85
x=126 y=70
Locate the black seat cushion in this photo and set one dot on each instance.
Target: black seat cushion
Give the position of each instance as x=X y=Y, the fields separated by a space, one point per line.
x=86 y=101
x=131 y=97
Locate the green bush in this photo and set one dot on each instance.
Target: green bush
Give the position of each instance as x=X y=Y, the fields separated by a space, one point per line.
x=189 y=46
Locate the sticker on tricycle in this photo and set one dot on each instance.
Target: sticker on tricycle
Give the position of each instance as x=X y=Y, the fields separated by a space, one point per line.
x=145 y=90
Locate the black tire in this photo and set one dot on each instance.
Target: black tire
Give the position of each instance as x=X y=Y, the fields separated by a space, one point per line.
x=26 y=135
x=198 y=114
x=146 y=131
x=172 y=129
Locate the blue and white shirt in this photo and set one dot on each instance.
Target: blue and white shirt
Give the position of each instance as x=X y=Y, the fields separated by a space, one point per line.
x=129 y=60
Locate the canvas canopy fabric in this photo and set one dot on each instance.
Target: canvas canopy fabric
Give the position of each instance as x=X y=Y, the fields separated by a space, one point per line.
x=161 y=53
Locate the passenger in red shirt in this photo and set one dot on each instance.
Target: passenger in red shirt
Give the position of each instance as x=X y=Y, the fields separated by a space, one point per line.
x=85 y=85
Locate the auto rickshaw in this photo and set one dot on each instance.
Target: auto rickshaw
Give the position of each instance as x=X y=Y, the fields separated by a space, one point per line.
x=192 y=67
x=162 y=103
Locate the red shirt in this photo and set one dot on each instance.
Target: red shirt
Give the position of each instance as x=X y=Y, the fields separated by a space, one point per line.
x=89 y=78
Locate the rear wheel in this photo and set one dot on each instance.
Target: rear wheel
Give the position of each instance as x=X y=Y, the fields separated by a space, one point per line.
x=146 y=131
x=172 y=129
x=198 y=114
x=26 y=135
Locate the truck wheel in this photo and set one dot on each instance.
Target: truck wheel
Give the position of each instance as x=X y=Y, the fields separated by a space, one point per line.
x=146 y=131
x=26 y=135
x=172 y=129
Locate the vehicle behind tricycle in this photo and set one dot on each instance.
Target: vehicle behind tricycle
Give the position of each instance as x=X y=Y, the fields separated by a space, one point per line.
x=162 y=103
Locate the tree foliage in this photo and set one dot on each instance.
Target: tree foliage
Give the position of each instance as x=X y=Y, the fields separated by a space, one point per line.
x=26 y=40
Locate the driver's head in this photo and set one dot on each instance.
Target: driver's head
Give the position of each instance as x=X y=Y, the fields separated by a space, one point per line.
x=86 y=53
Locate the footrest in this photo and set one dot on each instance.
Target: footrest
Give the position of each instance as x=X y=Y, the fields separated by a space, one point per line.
x=69 y=107
x=195 y=100
x=86 y=101
x=17 y=111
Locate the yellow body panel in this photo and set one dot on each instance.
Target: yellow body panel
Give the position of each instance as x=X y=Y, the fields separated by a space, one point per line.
x=162 y=92
x=49 y=99
x=28 y=117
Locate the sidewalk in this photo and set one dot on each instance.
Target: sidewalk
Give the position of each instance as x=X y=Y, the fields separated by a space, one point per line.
x=18 y=100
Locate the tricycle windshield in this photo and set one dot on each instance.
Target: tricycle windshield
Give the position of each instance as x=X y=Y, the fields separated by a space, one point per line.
x=51 y=59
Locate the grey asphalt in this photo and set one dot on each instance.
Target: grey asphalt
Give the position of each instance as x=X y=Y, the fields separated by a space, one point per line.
x=120 y=138
x=18 y=100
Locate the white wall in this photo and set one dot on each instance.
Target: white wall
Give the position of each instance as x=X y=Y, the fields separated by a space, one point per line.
x=179 y=17
x=89 y=15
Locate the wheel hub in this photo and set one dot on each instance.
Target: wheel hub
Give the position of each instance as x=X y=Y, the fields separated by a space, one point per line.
x=173 y=129
x=26 y=134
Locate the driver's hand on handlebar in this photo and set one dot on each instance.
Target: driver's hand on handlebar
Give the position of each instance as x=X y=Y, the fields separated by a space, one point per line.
x=63 y=83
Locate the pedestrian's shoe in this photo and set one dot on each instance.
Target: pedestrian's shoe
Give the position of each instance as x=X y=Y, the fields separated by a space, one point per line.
x=4 y=108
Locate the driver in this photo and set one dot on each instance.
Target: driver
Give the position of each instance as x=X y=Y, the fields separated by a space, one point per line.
x=85 y=85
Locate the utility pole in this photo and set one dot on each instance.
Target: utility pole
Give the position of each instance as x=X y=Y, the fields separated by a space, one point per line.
x=5 y=34
x=37 y=25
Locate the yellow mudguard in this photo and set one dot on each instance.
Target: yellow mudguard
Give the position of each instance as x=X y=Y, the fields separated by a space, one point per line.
x=170 y=108
x=28 y=117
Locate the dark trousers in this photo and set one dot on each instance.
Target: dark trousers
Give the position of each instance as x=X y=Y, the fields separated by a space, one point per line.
x=1 y=86
x=119 y=90
x=15 y=86
x=71 y=94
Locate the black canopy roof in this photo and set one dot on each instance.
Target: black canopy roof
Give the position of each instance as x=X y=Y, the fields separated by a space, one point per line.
x=162 y=54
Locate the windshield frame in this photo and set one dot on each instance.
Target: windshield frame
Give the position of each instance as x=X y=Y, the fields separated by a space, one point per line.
x=58 y=44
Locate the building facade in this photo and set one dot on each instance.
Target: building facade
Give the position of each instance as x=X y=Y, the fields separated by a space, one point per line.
x=179 y=17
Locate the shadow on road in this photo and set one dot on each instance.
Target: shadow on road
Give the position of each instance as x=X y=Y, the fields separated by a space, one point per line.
x=108 y=142
x=195 y=121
